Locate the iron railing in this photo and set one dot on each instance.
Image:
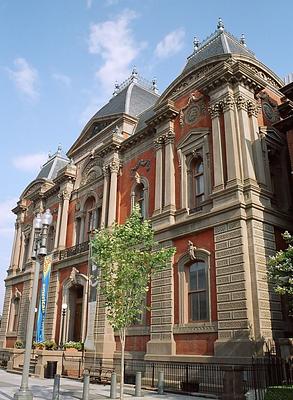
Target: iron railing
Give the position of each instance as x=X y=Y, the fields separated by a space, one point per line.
x=208 y=378
x=72 y=251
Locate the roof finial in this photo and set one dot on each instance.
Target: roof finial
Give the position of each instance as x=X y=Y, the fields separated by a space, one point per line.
x=59 y=149
x=242 y=40
x=220 y=25
x=195 y=44
x=49 y=154
x=116 y=88
x=154 y=85
x=134 y=74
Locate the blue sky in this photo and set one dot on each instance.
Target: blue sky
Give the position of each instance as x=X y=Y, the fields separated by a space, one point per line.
x=59 y=60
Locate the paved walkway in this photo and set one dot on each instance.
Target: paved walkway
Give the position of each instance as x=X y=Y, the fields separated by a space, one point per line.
x=72 y=390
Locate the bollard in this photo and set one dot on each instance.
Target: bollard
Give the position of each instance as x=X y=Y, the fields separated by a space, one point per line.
x=161 y=383
x=113 y=390
x=138 y=384
x=56 y=387
x=86 y=385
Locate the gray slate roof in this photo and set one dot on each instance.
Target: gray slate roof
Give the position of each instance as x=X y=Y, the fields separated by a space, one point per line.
x=54 y=164
x=219 y=43
x=132 y=100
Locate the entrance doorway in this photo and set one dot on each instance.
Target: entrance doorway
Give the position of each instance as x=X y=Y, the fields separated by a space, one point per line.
x=75 y=313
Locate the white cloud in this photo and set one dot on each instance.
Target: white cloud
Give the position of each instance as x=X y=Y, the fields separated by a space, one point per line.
x=114 y=42
x=25 y=78
x=170 y=44
x=62 y=78
x=30 y=162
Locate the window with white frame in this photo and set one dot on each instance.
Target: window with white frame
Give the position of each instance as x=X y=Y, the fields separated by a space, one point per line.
x=194 y=288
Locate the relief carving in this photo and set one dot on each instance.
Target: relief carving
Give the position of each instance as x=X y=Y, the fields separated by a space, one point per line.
x=140 y=163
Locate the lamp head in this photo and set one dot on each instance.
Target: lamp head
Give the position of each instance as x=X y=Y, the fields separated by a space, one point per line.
x=64 y=307
x=37 y=223
x=47 y=217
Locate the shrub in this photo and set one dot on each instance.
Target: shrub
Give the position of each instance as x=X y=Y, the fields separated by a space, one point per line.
x=73 y=345
x=279 y=393
x=50 y=345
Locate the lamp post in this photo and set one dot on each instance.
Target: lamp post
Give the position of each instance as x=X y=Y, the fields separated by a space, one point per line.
x=40 y=225
x=64 y=308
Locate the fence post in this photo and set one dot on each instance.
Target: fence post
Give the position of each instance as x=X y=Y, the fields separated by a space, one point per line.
x=161 y=383
x=138 y=384
x=86 y=385
x=113 y=389
x=56 y=387
x=153 y=375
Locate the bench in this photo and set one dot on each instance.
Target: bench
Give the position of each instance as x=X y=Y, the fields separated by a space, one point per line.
x=100 y=375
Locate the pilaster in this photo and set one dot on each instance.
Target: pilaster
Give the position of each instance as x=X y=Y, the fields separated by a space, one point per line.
x=65 y=195
x=106 y=174
x=217 y=147
x=169 y=204
x=51 y=311
x=5 y=315
x=159 y=175
x=24 y=307
x=114 y=167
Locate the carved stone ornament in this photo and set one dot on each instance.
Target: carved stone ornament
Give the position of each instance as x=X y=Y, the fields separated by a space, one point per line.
x=169 y=137
x=192 y=251
x=270 y=112
x=193 y=110
x=158 y=143
x=214 y=110
x=95 y=163
x=140 y=163
x=227 y=103
x=73 y=275
x=114 y=166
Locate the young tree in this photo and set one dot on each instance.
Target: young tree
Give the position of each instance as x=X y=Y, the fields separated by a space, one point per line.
x=127 y=257
x=280 y=270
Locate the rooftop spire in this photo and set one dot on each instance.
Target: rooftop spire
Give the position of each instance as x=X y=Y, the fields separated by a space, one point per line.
x=154 y=84
x=195 y=44
x=242 y=40
x=134 y=74
x=116 y=88
x=220 y=25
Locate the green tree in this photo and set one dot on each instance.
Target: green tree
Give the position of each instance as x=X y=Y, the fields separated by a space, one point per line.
x=127 y=256
x=280 y=270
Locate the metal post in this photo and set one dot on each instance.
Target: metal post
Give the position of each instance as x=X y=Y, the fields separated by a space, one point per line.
x=24 y=393
x=138 y=384
x=113 y=389
x=56 y=387
x=86 y=385
x=161 y=383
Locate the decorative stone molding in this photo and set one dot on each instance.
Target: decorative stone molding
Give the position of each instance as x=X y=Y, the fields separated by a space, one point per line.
x=64 y=194
x=227 y=103
x=193 y=110
x=214 y=110
x=105 y=170
x=169 y=137
x=140 y=163
x=158 y=143
x=201 y=327
x=253 y=108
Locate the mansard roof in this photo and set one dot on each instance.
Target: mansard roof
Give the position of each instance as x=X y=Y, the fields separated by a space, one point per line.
x=219 y=43
x=54 y=164
x=132 y=97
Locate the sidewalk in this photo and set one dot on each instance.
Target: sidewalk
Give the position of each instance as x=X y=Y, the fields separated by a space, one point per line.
x=72 y=390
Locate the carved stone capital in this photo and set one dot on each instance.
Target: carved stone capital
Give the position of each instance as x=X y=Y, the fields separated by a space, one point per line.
x=169 y=137
x=106 y=171
x=158 y=143
x=252 y=108
x=241 y=103
x=227 y=103
x=214 y=110
x=114 y=166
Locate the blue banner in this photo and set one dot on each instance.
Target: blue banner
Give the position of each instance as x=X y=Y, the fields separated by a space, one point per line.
x=43 y=299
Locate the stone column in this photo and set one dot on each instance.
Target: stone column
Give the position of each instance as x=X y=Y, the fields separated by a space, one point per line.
x=65 y=194
x=246 y=140
x=57 y=232
x=159 y=177
x=82 y=225
x=105 y=195
x=16 y=246
x=217 y=148
x=232 y=141
x=169 y=172
x=114 y=169
x=252 y=109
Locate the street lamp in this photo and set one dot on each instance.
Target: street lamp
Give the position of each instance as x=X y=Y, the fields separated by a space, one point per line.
x=40 y=226
x=64 y=308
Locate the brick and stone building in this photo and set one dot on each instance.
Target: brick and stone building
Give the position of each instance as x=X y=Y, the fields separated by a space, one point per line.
x=211 y=171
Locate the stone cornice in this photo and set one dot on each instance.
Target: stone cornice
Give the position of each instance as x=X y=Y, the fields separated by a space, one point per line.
x=201 y=327
x=165 y=111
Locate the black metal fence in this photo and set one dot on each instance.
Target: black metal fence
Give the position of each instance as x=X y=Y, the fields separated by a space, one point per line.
x=216 y=379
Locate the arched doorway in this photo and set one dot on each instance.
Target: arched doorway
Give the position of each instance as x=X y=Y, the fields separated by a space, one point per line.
x=75 y=299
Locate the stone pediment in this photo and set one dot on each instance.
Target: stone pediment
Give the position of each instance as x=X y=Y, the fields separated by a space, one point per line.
x=192 y=138
x=38 y=186
x=91 y=131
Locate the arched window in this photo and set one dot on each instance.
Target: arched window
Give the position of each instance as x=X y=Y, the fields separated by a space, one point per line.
x=92 y=217
x=197 y=183
x=197 y=291
x=194 y=287
x=14 y=313
x=140 y=196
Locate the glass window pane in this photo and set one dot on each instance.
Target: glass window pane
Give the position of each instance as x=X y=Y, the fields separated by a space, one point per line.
x=193 y=307
x=199 y=167
x=203 y=305
x=201 y=279
x=199 y=184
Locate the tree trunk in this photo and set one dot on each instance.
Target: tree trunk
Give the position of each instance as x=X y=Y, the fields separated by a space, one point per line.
x=122 y=341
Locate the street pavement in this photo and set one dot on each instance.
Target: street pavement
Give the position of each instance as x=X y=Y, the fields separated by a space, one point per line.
x=72 y=390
